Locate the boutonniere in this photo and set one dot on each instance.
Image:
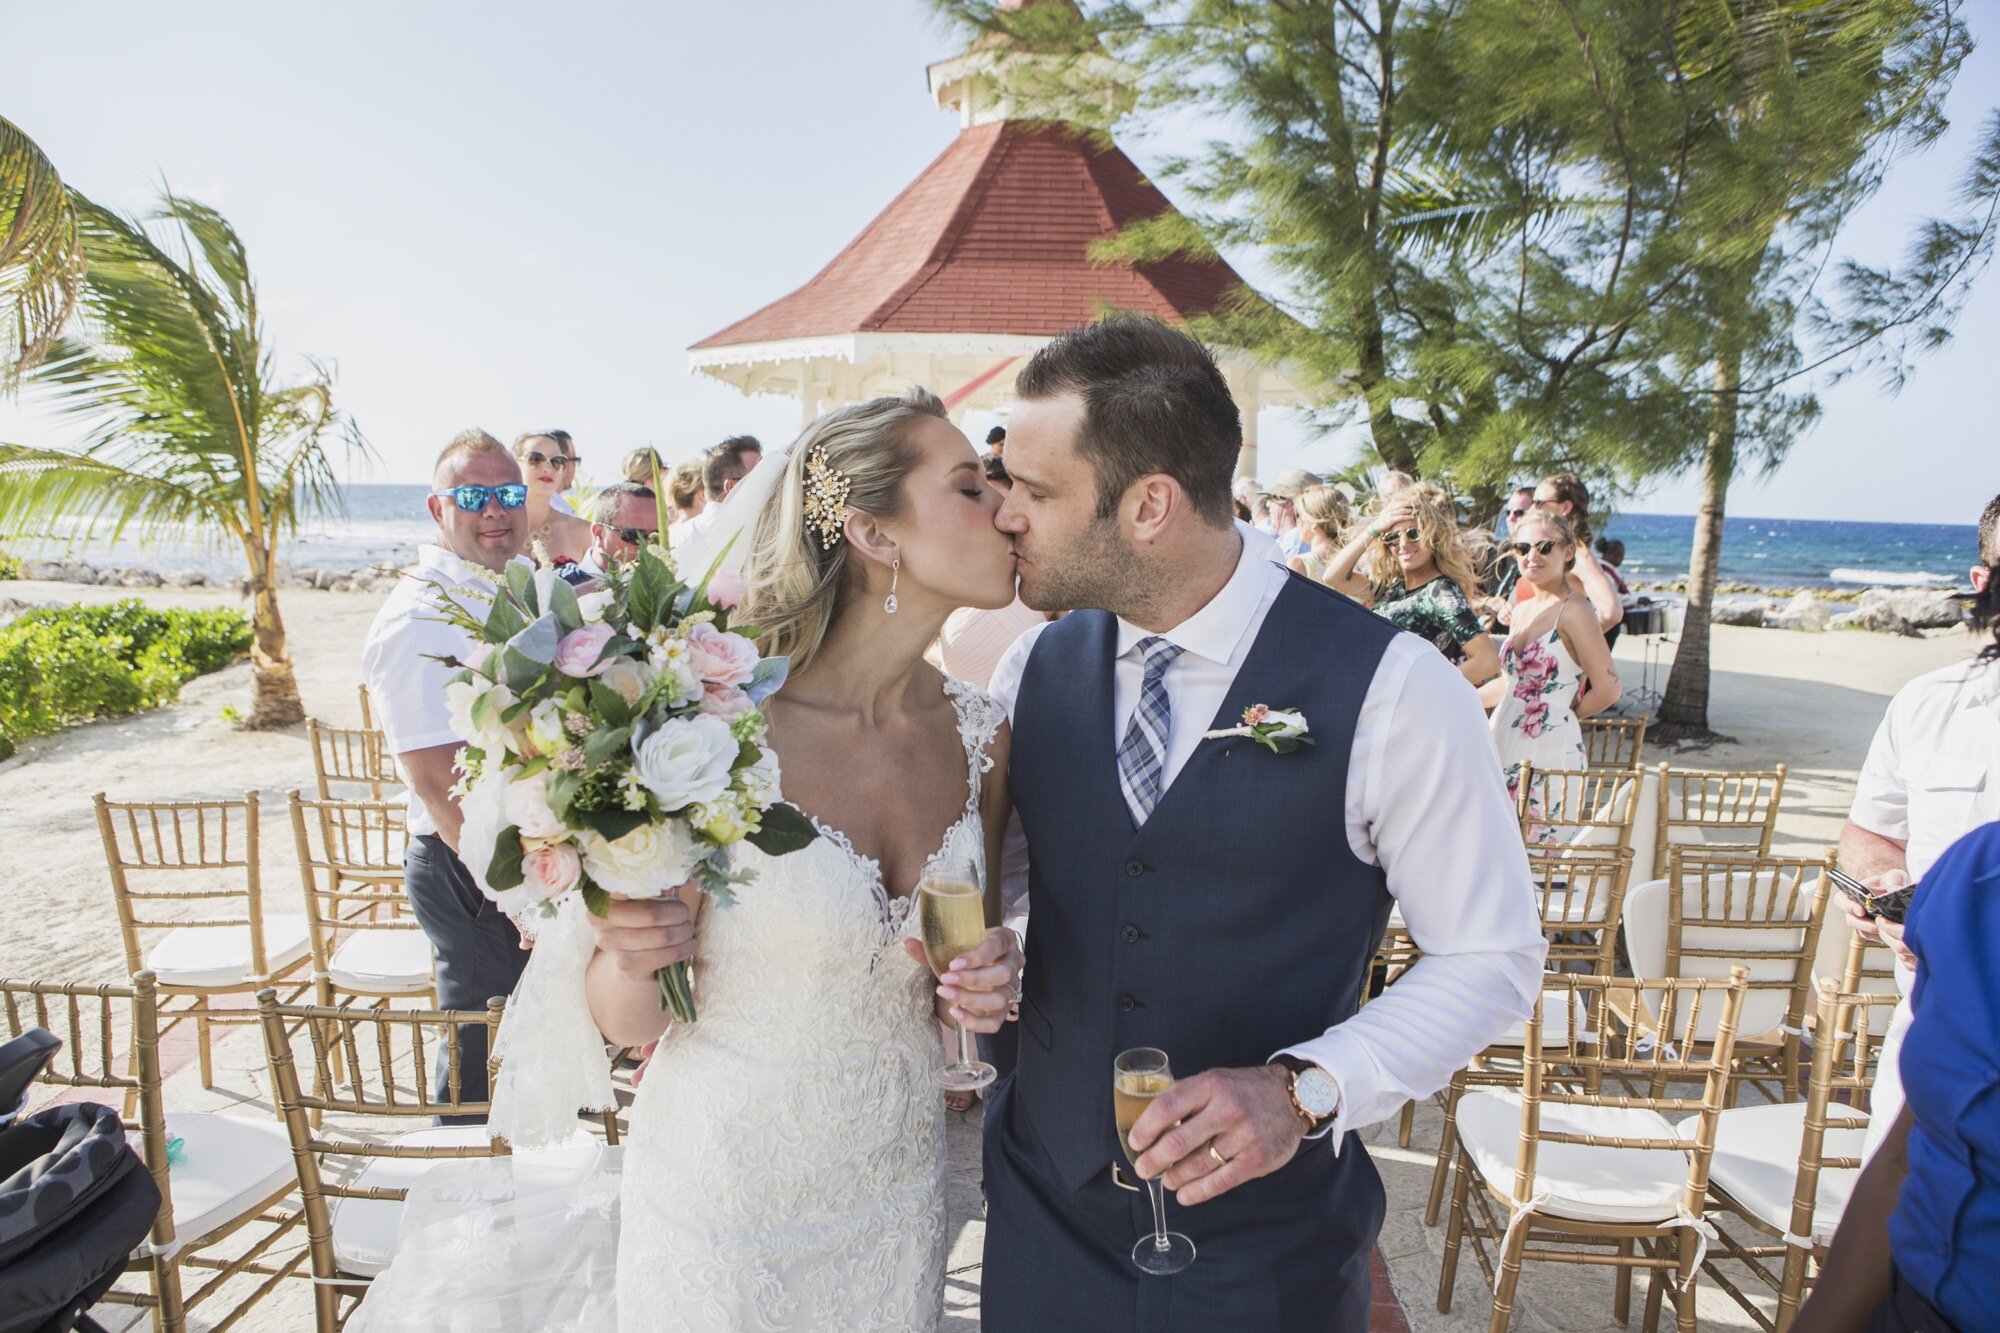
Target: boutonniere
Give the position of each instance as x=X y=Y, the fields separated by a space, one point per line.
x=1278 y=730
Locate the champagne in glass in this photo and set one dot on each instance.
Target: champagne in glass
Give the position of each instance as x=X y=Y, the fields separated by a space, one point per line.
x=1137 y=1077
x=951 y=913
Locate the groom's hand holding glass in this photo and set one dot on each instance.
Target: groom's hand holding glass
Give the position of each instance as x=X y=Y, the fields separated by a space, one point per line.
x=1210 y=1133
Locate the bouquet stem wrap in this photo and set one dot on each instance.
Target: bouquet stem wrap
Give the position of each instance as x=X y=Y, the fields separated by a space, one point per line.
x=551 y=1055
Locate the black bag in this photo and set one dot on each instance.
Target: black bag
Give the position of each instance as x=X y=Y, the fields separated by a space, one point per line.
x=74 y=1202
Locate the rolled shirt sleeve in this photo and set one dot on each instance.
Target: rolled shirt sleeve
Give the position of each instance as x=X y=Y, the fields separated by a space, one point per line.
x=1427 y=803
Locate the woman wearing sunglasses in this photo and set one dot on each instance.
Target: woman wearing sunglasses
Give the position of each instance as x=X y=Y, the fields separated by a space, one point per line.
x=1419 y=578
x=1555 y=646
x=548 y=466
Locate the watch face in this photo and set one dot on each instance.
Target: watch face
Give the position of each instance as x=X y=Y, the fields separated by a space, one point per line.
x=1317 y=1093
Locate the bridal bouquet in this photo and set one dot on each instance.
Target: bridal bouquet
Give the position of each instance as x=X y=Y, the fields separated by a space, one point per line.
x=613 y=744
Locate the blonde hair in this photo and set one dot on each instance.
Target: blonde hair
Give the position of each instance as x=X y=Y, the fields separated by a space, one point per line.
x=642 y=466
x=792 y=583
x=1563 y=528
x=1437 y=520
x=1322 y=507
x=474 y=441
x=684 y=485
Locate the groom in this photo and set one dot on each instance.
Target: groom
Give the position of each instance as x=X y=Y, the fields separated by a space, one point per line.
x=1212 y=897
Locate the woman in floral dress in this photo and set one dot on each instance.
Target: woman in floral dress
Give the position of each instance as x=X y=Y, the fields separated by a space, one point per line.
x=1419 y=577
x=1555 y=646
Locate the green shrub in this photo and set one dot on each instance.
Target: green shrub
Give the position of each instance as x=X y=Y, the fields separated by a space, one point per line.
x=64 y=665
x=10 y=569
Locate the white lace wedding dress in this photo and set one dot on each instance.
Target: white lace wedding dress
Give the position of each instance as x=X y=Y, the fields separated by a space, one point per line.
x=785 y=1169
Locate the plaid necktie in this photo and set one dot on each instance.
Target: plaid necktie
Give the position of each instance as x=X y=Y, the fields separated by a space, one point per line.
x=1142 y=757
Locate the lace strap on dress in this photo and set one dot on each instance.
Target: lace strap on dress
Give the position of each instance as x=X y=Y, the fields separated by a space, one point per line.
x=979 y=719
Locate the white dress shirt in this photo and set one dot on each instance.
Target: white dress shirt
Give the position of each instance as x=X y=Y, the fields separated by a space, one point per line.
x=398 y=659
x=1425 y=802
x=1933 y=770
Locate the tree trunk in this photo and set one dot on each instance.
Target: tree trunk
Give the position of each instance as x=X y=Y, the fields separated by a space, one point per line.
x=1684 y=708
x=275 y=690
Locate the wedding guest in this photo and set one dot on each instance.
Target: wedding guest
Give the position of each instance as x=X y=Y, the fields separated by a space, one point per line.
x=1500 y=606
x=622 y=516
x=1611 y=554
x=996 y=442
x=644 y=467
x=1323 y=516
x=561 y=502
x=1563 y=494
x=554 y=537
x=1918 y=1247
x=1932 y=774
x=685 y=496
x=1418 y=579
x=1555 y=648
x=479 y=504
x=722 y=468
x=1285 y=491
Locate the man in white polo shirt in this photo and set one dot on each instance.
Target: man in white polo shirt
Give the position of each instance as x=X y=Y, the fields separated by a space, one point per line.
x=478 y=502
x=1932 y=776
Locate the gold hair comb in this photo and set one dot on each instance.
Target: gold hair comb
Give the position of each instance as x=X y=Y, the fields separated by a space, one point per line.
x=826 y=498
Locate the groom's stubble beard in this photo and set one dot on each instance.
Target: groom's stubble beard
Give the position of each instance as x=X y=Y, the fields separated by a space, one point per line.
x=1098 y=570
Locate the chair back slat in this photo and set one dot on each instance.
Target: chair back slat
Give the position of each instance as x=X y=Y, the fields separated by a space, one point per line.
x=1582 y=895
x=183 y=851
x=1614 y=742
x=1577 y=806
x=1734 y=811
x=1764 y=913
x=351 y=762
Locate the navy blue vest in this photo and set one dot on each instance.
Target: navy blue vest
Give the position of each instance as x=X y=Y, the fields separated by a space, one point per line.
x=1237 y=921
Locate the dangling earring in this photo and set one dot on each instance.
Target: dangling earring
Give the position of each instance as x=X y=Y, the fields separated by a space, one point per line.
x=895 y=572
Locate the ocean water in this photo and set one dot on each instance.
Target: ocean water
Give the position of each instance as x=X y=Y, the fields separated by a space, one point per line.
x=385 y=524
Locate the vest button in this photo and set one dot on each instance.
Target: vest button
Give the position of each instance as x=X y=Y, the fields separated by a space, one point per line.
x=1129 y=934
x=1135 y=867
x=1126 y=1004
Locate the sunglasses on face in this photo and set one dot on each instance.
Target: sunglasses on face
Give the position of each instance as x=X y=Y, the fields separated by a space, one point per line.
x=1517 y=513
x=1522 y=548
x=1410 y=535
x=536 y=459
x=635 y=536
x=473 y=499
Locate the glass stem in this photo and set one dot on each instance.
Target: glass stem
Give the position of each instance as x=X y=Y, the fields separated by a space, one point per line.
x=965 y=1052
x=1154 y=1188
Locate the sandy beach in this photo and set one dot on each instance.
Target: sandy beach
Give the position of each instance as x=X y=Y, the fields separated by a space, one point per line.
x=1810 y=700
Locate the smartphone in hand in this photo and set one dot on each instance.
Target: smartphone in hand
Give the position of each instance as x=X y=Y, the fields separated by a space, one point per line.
x=1891 y=907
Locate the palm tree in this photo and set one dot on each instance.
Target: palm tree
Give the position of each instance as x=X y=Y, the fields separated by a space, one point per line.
x=41 y=260
x=186 y=427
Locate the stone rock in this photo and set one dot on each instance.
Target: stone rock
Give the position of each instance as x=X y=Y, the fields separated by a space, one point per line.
x=139 y=578
x=1741 y=612
x=326 y=578
x=187 y=578
x=1912 y=609
x=1803 y=612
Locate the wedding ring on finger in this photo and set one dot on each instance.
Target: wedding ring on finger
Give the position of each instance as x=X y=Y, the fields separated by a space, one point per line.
x=1216 y=1153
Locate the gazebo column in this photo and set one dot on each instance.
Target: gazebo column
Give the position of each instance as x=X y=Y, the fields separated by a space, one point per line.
x=1246 y=386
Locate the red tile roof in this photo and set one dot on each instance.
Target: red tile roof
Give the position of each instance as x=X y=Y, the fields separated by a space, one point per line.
x=994 y=237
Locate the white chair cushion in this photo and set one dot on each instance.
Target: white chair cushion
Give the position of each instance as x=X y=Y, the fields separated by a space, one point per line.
x=220 y=955
x=1555 y=1022
x=1572 y=1180
x=1757 y=1164
x=229 y=1165
x=383 y=962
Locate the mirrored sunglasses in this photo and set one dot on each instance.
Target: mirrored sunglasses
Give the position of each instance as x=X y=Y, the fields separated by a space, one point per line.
x=1410 y=535
x=635 y=536
x=472 y=499
x=536 y=458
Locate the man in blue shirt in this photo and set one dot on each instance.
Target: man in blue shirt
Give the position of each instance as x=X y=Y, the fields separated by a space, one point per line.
x=1919 y=1245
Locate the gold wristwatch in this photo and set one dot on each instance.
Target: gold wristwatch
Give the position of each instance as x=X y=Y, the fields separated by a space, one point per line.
x=1315 y=1096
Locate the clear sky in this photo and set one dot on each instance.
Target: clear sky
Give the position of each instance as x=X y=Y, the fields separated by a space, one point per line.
x=519 y=216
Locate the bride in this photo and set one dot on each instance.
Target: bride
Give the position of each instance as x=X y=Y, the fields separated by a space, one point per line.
x=786 y=1163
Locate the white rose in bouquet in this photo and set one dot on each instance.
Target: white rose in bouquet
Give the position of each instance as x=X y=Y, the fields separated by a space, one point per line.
x=759 y=781
x=645 y=863
x=527 y=807
x=492 y=737
x=686 y=761
x=626 y=677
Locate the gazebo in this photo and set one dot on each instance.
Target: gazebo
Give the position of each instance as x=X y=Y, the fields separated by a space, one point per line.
x=986 y=255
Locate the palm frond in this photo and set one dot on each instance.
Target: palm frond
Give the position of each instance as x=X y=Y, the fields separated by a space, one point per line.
x=40 y=489
x=41 y=255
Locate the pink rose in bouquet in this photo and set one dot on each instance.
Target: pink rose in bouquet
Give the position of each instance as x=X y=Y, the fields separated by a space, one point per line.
x=720 y=657
x=551 y=870
x=581 y=651
x=725 y=589
x=724 y=701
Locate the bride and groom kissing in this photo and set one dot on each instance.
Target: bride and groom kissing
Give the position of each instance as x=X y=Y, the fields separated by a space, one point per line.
x=1195 y=884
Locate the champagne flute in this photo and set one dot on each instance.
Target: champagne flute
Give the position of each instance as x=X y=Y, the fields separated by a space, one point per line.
x=952 y=912
x=1138 y=1076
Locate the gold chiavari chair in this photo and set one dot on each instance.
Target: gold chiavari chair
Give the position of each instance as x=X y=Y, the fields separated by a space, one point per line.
x=1581 y=893
x=1564 y=1174
x=1715 y=911
x=1728 y=811
x=365 y=938
x=351 y=762
x=367 y=709
x=1395 y=955
x=1576 y=806
x=352 y=1187
x=1614 y=742
x=232 y=1172
x=1788 y=1169
x=196 y=864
